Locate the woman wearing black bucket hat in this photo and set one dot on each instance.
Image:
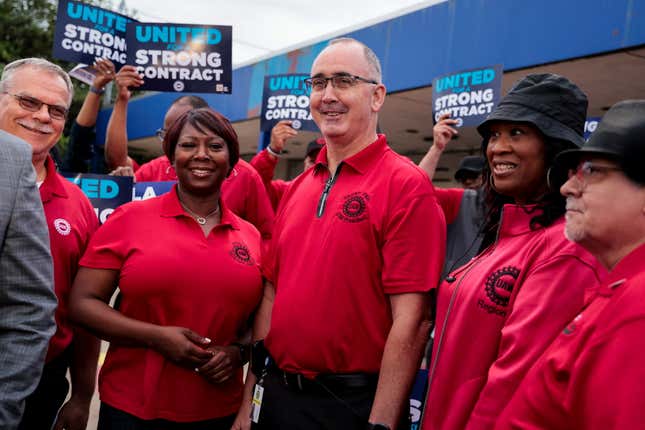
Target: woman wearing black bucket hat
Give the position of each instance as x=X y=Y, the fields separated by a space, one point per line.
x=496 y=314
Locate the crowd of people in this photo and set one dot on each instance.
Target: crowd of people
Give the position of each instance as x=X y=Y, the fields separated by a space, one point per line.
x=520 y=289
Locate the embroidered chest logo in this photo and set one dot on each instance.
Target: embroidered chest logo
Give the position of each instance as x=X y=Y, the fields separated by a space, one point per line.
x=62 y=226
x=241 y=254
x=354 y=207
x=499 y=286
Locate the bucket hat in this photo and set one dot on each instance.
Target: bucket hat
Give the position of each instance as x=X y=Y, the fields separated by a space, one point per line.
x=552 y=103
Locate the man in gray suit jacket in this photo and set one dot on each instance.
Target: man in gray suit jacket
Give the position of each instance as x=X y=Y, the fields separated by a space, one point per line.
x=27 y=300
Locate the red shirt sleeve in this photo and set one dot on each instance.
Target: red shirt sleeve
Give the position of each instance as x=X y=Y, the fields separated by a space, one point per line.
x=450 y=201
x=265 y=164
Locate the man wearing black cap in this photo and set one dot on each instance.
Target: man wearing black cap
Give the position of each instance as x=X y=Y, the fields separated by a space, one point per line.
x=469 y=172
x=265 y=161
x=592 y=375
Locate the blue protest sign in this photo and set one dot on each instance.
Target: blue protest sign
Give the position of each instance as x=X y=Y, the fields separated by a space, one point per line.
x=105 y=192
x=84 y=32
x=286 y=97
x=417 y=398
x=468 y=96
x=590 y=126
x=148 y=190
x=181 y=57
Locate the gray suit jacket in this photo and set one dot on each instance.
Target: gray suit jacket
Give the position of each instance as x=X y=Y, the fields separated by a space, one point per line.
x=27 y=300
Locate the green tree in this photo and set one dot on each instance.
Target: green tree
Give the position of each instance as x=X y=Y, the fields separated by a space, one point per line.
x=26 y=29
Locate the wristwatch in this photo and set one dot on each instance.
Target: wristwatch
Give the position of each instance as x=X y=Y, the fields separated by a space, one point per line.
x=377 y=426
x=245 y=352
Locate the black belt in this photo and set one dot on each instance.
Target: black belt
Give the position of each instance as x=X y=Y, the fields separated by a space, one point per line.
x=326 y=381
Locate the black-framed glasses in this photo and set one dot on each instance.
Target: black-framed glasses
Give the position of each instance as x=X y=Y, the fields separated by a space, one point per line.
x=341 y=81
x=160 y=133
x=588 y=172
x=32 y=104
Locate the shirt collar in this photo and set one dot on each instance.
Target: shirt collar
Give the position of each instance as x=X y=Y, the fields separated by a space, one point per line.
x=516 y=219
x=362 y=160
x=170 y=207
x=626 y=268
x=53 y=183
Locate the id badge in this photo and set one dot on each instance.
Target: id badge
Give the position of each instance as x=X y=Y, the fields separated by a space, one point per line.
x=256 y=404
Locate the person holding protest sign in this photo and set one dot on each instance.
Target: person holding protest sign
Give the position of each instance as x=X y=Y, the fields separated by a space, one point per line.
x=346 y=334
x=176 y=353
x=265 y=161
x=462 y=207
x=35 y=96
x=80 y=148
x=497 y=314
x=243 y=191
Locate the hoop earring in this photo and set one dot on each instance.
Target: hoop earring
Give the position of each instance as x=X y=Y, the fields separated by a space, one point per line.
x=491 y=181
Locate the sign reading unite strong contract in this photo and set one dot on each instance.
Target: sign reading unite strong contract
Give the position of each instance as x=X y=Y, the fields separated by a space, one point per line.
x=84 y=32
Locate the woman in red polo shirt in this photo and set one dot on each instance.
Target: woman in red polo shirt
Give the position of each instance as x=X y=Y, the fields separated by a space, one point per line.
x=188 y=272
x=497 y=313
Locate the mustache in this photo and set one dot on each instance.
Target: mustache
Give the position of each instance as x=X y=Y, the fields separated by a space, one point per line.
x=34 y=125
x=571 y=204
x=333 y=107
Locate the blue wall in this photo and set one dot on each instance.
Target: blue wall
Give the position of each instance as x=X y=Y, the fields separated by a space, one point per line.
x=450 y=36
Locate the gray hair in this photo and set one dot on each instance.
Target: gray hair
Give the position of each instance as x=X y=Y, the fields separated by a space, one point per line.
x=39 y=64
x=370 y=56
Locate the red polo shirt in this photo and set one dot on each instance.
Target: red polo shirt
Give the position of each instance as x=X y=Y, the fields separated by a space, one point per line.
x=591 y=377
x=243 y=191
x=264 y=164
x=497 y=317
x=171 y=275
x=381 y=232
x=71 y=221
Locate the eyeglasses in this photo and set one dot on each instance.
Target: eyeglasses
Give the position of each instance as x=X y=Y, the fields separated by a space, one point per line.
x=160 y=133
x=341 y=81
x=588 y=172
x=32 y=104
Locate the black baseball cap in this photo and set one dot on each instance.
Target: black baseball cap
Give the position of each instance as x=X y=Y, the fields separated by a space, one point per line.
x=469 y=166
x=620 y=137
x=550 y=102
x=315 y=146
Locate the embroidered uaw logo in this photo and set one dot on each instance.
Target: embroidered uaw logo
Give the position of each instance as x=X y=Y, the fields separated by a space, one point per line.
x=500 y=283
x=241 y=254
x=354 y=208
x=62 y=226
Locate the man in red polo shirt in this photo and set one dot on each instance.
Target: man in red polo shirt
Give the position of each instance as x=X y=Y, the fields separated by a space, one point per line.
x=358 y=243
x=36 y=95
x=243 y=191
x=591 y=377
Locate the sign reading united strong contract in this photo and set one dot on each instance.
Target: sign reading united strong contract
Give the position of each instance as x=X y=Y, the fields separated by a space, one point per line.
x=468 y=96
x=286 y=97
x=84 y=32
x=181 y=57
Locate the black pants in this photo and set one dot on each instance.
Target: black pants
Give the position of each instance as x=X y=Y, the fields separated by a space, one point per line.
x=115 y=419
x=43 y=404
x=316 y=408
